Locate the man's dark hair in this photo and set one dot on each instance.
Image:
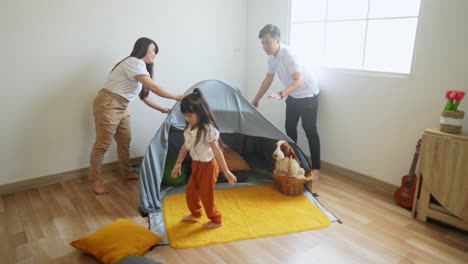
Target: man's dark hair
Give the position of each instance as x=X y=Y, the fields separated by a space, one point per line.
x=270 y=29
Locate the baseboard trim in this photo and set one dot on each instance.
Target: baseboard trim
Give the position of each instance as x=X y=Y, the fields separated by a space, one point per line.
x=68 y=175
x=359 y=177
x=58 y=177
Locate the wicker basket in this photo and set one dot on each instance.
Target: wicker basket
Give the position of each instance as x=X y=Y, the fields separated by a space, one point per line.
x=291 y=185
x=451 y=121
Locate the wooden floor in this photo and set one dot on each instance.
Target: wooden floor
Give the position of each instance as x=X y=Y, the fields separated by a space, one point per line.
x=37 y=225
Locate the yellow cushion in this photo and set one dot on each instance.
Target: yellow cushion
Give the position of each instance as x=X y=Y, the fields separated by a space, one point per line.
x=117 y=240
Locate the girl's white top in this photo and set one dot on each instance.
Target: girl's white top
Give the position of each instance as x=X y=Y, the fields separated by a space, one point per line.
x=202 y=150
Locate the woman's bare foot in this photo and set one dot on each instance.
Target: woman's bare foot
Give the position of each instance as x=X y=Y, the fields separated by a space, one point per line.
x=315 y=176
x=189 y=218
x=98 y=188
x=131 y=176
x=210 y=224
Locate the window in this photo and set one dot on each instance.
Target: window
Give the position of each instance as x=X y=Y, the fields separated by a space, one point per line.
x=372 y=35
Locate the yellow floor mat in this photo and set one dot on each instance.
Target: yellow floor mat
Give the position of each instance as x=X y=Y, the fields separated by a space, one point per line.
x=248 y=212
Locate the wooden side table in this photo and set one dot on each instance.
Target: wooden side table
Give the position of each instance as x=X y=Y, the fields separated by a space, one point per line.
x=442 y=185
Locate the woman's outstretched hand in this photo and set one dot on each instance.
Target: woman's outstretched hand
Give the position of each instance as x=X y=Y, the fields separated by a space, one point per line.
x=165 y=110
x=180 y=97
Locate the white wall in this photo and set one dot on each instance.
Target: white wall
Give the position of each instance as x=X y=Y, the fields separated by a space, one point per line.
x=367 y=123
x=55 y=56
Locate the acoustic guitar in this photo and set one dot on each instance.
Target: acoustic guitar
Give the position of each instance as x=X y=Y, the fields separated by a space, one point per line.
x=404 y=195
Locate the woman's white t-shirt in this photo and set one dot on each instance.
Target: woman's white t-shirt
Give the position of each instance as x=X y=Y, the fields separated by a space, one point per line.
x=202 y=150
x=122 y=79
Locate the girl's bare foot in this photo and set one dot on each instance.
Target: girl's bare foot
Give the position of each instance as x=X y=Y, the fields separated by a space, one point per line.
x=189 y=218
x=98 y=188
x=315 y=176
x=132 y=176
x=211 y=225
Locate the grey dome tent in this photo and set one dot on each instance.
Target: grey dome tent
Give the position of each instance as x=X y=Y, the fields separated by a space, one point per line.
x=243 y=128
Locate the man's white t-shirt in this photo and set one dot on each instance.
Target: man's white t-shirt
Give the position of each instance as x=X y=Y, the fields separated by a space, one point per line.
x=122 y=79
x=285 y=64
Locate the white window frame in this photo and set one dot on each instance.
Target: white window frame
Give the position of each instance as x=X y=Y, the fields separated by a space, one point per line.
x=367 y=19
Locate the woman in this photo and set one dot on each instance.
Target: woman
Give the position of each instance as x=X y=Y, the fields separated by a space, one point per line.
x=130 y=78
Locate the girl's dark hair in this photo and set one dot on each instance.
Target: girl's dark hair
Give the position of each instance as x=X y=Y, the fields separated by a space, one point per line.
x=139 y=51
x=196 y=103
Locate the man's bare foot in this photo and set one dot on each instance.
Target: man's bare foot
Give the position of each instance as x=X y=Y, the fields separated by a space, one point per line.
x=98 y=188
x=131 y=176
x=189 y=218
x=315 y=176
x=210 y=224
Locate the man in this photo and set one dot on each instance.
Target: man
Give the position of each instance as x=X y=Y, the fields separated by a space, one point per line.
x=301 y=91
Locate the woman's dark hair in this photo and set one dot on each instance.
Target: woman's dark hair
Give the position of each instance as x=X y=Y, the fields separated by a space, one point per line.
x=139 y=51
x=196 y=103
x=270 y=29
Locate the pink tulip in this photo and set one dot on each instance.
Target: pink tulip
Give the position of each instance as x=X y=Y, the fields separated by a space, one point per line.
x=452 y=94
x=447 y=94
x=459 y=96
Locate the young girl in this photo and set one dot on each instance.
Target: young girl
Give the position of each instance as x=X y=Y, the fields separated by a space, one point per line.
x=201 y=140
